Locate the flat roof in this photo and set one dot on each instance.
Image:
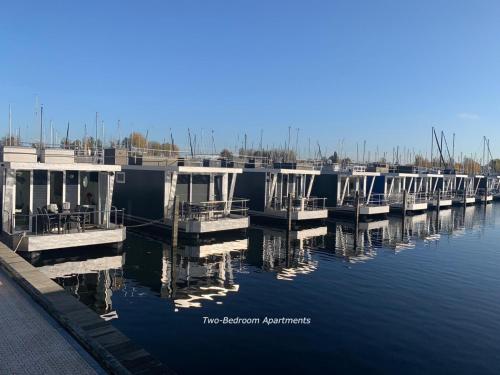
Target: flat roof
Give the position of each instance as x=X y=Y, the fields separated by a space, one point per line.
x=351 y=173
x=184 y=169
x=283 y=171
x=62 y=166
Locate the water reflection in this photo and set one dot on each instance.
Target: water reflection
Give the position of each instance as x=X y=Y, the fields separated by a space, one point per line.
x=194 y=275
x=91 y=277
x=197 y=273
x=287 y=254
x=366 y=277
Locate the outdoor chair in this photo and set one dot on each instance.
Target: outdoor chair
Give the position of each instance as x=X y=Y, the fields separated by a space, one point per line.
x=51 y=220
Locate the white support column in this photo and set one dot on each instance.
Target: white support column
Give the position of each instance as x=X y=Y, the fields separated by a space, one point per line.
x=190 y=189
x=272 y=188
x=64 y=187
x=291 y=184
x=30 y=211
x=167 y=184
x=309 y=188
x=48 y=188
x=9 y=201
x=211 y=187
x=371 y=189
x=171 y=192
x=231 y=192
x=346 y=183
x=110 y=183
x=225 y=186
x=78 y=189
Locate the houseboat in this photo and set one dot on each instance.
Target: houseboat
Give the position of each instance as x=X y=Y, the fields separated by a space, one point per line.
x=465 y=190
x=204 y=189
x=484 y=191
x=341 y=186
x=438 y=188
x=393 y=186
x=277 y=190
x=51 y=201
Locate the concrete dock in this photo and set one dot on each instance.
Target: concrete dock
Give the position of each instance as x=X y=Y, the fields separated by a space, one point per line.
x=32 y=343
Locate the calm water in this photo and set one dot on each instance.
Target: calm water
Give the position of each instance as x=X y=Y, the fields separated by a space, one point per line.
x=416 y=297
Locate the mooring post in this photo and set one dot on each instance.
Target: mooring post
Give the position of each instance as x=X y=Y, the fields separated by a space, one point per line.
x=289 y=212
x=439 y=201
x=486 y=195
x=175 y=222
x=356 y=209
x=288 y=229
x=356 y=219
x=405 y=202
x=465 y=198
x=403 y=216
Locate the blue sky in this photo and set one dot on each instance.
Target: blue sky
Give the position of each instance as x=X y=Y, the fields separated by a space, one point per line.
x=384 y=71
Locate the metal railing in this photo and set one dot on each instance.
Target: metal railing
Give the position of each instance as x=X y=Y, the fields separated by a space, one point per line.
x=464 y=193
x=411 y=198
x=299 y=204
x=442 y=195
x=373 y=200
x=213 y=210
x=65 y=222
x=482 y=192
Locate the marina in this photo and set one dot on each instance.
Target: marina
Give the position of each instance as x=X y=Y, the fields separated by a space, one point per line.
x=267 y=273
x=277 y=187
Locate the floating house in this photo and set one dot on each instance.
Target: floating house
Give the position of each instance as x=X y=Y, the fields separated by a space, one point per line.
x=269 y=188
x=465 y=189
x=495 y=190
x=340 y=187
x=393 y=185
x=484 y=191
x=204 y=190
x=50 y=201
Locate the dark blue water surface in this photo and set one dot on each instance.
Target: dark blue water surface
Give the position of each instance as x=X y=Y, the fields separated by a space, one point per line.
x=402 y=297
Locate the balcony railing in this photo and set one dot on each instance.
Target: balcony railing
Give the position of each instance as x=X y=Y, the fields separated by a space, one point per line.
x=411 y=198
x=80 y=220
x=213 y=210
x=373 y=200
x=299 y=204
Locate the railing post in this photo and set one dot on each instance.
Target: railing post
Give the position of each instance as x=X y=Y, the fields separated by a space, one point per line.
x=175 y=222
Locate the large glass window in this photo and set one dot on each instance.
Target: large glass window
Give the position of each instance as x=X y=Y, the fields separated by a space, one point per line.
x=22 y=200
x=56 y=188
x=89 y=189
